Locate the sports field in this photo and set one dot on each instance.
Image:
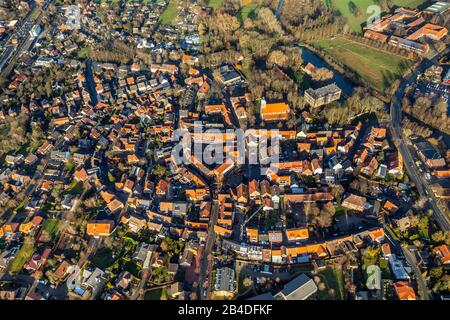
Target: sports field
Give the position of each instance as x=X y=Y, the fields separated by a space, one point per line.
x=355 y=21
x=378 y=68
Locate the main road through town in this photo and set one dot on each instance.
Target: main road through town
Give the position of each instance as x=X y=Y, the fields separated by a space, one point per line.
x=410 y=156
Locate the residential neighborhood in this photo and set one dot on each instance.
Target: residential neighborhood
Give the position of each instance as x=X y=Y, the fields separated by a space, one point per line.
x=230 y=150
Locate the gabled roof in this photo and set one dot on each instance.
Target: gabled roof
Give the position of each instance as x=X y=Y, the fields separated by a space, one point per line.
x=354 y=201
x=81 y=175
x=297 y=234
x=100 y=227
x=404 y=291
x=444 y=252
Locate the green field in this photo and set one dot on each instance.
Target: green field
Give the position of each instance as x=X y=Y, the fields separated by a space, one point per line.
x=248 y=11
x=170 y=13
x=215 y=3
x=156 y=294
x=103 y=258
x=24 y=254
x=378 y=68
x=51 y=227
x=332 y=278
x=355 y=21
x=75 y=188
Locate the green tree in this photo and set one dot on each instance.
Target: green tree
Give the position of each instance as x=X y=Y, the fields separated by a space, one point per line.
x=439 y=236
x=436 y=273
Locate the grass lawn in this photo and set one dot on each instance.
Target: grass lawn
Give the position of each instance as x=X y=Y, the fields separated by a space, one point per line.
x=215 y=3
x=248 y=11
x=153 y=295
x=241 y=288
x=340 y=211
x=376 y=67
x=170 y=13
x=83 y=52
x=51 y=227
x=384 y=266
x=332 y=278
x=408 y=3
x=24 y=254
x=356 y=21
x=132 y=268
x=157 y=294
x=369 y=261
x=103 y=258
x=75 y=188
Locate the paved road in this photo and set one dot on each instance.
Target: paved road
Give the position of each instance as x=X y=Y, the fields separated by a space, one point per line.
x=421 y=282
x=409 y=154
x=7 y=60
x=205 y=259
x=146 y=274
x=410 y=258
x=36 y=179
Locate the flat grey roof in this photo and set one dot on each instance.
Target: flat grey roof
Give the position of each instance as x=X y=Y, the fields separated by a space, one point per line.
x=300 y=288
x=324 y=91
x=263 y=297
x=438 y=7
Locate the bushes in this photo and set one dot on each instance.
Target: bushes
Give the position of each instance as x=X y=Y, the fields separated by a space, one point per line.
x=357 y=104
x=432 y=113
x=15 y=134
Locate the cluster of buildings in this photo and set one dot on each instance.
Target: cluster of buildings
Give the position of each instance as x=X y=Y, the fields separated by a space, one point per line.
x=409 y=29
x=107 y=147
x=93 y=146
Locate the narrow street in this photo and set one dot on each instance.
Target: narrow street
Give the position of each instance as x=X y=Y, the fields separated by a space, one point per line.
x=398 y=249
x=8 y=59
x=146 y=275
x=410 y=156
x=205 y=259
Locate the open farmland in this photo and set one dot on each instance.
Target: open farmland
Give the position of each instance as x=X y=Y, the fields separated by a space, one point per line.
x=378 y=68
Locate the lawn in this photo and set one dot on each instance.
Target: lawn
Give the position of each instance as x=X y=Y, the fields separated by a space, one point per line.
x=241 y=288
x=332 y=278
x=342 y=6
x=83 y=52
x=215 y=3
x=248 y=11
x=51 y=227
x=75 y=188
x=103 y=258
x=157 y=294
x=170 y=13
x=340 y=211
x=24 y=254
x=384 y=266
x=378 y=68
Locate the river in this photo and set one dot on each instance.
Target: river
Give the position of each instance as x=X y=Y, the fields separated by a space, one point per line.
x=347 y=86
